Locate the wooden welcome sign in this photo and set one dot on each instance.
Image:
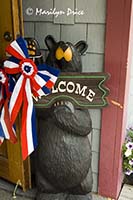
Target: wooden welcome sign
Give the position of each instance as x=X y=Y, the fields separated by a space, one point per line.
x=85 y=90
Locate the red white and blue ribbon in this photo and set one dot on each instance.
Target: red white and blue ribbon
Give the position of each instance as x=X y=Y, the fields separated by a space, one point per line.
x=3 y=87
x=33 y=81
x=6 y=129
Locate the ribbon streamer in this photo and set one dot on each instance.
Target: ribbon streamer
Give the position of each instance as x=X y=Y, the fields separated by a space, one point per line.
x=3 y=87
x=33 y=80
x=6 y=129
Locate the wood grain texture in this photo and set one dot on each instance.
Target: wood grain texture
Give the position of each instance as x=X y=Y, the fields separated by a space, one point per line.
x=12 y=168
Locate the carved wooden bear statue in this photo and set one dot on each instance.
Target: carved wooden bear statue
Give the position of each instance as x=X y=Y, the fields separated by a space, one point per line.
x=64 y=152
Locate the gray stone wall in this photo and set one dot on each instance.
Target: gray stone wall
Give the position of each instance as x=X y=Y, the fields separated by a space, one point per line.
x=38 y=22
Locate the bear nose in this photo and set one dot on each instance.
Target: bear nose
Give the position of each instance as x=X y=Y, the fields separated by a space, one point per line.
x=64 y=47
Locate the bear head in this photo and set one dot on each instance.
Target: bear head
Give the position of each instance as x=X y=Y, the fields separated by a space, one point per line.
x=65 y=55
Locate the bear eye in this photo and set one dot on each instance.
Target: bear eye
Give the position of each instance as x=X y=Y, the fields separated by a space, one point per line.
x=68 y=54
x=59 y=54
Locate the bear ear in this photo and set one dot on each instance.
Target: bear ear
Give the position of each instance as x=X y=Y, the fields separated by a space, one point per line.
x=81 y=46
x=50 y=41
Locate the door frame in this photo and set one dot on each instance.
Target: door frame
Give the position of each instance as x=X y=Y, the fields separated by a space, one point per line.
x=118 y=52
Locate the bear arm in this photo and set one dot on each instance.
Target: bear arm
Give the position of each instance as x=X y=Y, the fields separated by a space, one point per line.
x=78 y=122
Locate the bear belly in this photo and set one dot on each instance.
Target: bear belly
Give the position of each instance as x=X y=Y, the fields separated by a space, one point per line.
x=64 y=158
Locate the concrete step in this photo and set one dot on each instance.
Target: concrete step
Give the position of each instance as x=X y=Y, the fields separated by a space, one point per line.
x=126 y=193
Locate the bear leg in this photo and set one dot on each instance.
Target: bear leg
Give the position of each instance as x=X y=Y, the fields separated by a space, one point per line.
x=86 y=186
x=43 y=186
x=45 y=196
x=62 y=196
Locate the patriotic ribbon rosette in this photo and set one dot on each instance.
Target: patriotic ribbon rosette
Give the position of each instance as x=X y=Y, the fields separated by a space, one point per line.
x=6 y=129
x=32 y=81
x=3 y=87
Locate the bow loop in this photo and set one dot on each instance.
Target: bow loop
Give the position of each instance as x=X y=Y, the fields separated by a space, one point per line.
x=18 y=49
